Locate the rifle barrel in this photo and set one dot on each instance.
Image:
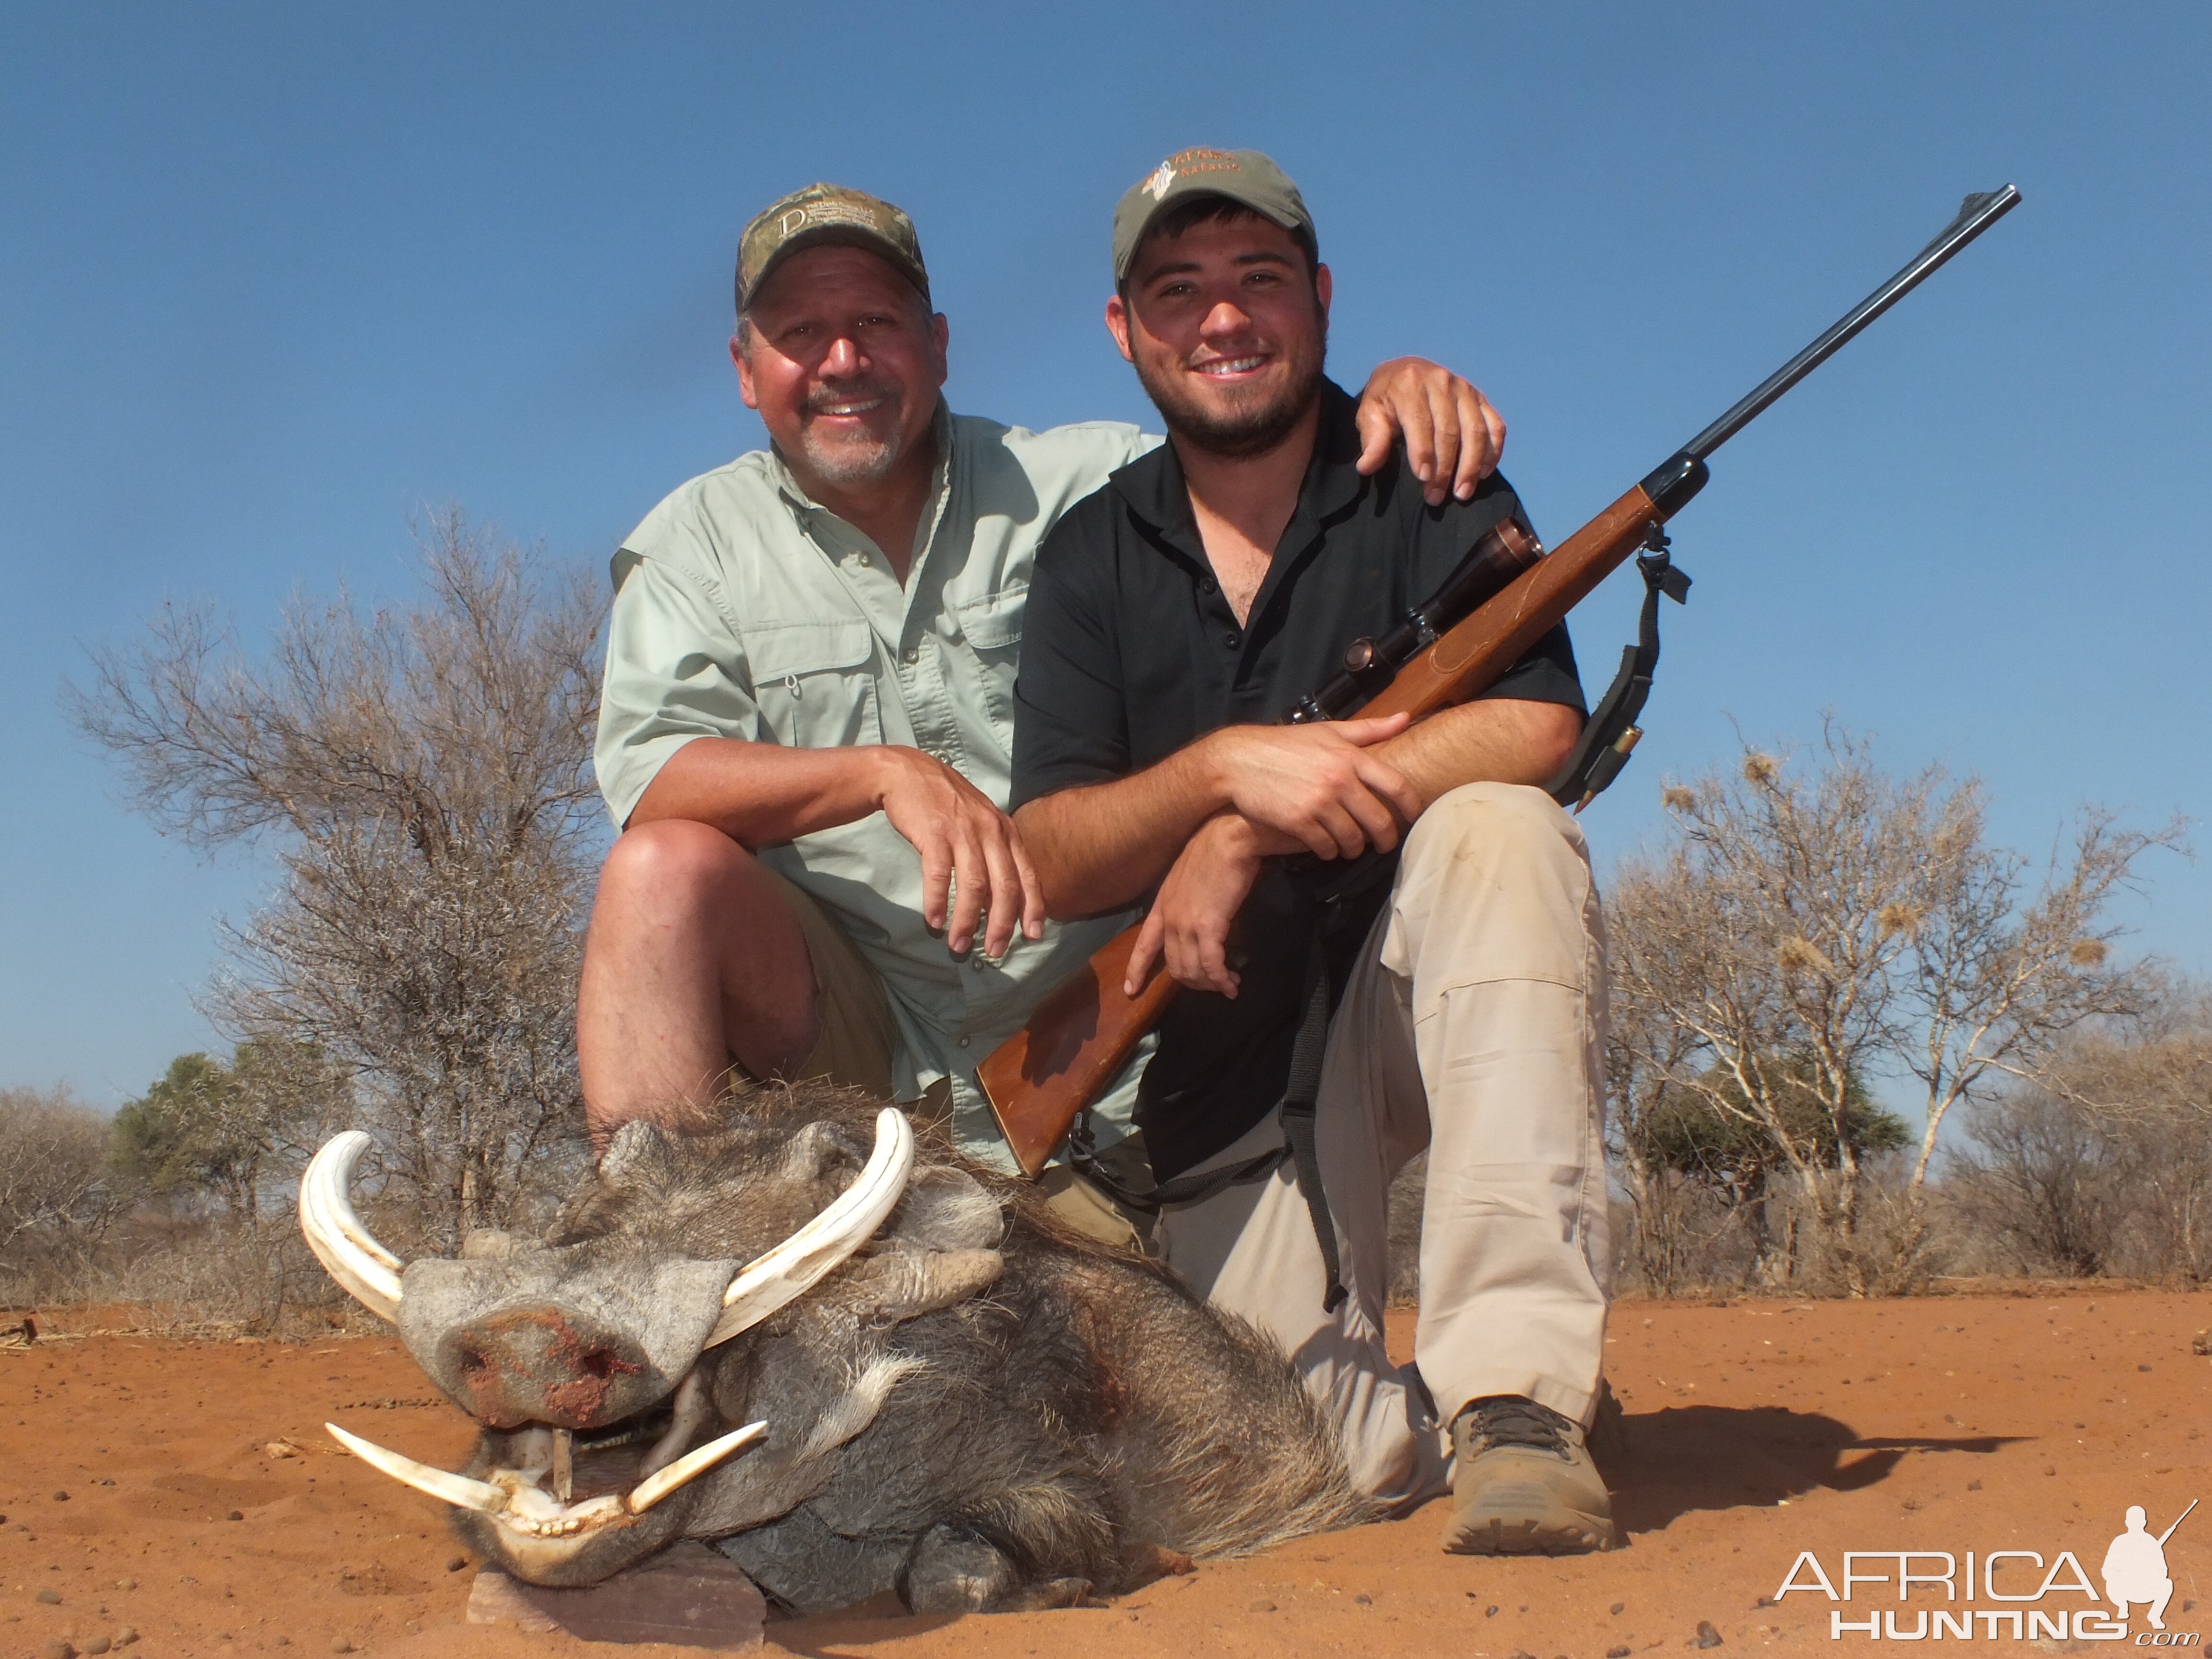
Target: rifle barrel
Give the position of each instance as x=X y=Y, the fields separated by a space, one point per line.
x=1976 y=215
x=2178 y=1519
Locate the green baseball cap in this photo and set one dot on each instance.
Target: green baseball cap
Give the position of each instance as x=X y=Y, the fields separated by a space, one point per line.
x=1244 y=176
x=824 y=214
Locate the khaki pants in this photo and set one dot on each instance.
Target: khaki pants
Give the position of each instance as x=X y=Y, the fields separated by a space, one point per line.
x=1474 y=1025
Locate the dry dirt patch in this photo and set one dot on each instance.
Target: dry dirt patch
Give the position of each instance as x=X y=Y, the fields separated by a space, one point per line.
x=1756 y=1429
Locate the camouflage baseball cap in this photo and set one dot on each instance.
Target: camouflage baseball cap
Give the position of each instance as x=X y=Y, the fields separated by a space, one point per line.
x=824 y=214
x=1244 y=176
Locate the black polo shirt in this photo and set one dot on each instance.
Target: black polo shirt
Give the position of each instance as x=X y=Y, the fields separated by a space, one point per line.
x=1130 y=652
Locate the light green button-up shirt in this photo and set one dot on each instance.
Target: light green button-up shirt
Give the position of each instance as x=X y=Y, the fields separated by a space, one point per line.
x=742 y=609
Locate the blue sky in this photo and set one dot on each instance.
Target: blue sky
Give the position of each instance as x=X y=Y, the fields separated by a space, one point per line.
x=272 y=277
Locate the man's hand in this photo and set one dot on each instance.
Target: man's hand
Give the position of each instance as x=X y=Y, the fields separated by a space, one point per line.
x=1324 y=786
x=1188 y=925
x=965 y=843
x=1453 y=436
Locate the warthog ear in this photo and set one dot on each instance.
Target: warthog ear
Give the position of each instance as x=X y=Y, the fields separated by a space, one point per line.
x=638 y=1153
x=818 y=1147
x=946 y=1209
x=905 y=1284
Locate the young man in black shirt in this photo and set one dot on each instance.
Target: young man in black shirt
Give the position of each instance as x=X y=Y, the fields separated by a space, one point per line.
x=1173 y=618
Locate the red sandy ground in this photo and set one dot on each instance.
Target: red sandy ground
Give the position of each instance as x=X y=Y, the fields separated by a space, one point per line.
x=1756 y=1429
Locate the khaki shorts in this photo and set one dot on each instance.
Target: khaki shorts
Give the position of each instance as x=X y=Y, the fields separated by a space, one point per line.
x=857 y=1037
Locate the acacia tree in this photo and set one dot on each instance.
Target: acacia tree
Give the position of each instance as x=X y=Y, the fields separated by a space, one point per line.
x=210 y=1131
x=1808 y=928
x=423 y=777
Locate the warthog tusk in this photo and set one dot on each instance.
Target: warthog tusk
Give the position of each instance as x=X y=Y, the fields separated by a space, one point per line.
x=360 y=1264
x=797 y=1265
x=526 y=1509
x=686 y=1412
x=654 y=1488
x=456 y=1489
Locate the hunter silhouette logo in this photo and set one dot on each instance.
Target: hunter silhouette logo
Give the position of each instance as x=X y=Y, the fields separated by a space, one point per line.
x=1157 y=185
x=2028 y=1595
x=2135 y=1567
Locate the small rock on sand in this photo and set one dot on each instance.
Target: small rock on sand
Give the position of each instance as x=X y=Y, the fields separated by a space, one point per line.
x=1618 y=1653
x=1618 y=1609
x=1707 y=1635
x=457 y=1563
x=59 y=1650
x=97 y=1645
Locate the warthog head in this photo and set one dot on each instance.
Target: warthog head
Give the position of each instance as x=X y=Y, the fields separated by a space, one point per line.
x=853 y=1367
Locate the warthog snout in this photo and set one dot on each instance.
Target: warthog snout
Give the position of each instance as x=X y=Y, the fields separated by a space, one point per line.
x=545 y=1364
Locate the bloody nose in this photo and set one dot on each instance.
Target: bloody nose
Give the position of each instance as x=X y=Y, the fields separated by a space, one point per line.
x=546 y=1366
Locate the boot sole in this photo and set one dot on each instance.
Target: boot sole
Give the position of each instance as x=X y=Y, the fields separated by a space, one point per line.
x=1495 y=1536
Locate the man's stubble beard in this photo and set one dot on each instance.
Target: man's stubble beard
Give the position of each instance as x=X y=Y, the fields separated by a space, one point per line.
x=860 y=459
x=1256 y=422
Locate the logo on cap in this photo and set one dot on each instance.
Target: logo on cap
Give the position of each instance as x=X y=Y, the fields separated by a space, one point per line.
x=1157 y=185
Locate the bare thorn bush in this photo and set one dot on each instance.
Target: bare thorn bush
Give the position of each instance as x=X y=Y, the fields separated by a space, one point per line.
x=58 y=1197
x=421 y=777
x=1808 y=928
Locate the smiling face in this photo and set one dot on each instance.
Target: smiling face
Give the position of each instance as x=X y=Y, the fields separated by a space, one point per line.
x=1226 y=330
x=842 y=357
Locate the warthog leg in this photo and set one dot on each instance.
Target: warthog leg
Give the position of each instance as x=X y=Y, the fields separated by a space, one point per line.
x=955 y=1569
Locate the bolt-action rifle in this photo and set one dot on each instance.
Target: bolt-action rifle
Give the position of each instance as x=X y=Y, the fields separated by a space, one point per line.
x=1043 y=1077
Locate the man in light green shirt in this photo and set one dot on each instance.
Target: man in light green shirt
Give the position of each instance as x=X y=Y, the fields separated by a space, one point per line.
x=808 y=711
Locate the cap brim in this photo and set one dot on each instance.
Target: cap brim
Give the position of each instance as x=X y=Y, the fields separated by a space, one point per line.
x=1197 y=193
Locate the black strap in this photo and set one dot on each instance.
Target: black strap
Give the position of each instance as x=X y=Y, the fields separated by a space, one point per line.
x=1299 y=1102
x=1611 y=732
x=1083 y=1158
x=1300 y=1095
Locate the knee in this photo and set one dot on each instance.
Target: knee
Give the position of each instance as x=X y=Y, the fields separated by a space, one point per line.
x=1497 y=820
x=672 y=862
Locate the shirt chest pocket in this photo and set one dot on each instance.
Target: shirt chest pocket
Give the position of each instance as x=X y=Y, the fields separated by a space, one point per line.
x=814 y=682
x=992 y=628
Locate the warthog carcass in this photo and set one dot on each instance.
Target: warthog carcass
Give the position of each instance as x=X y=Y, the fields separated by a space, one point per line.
x=852 y=1362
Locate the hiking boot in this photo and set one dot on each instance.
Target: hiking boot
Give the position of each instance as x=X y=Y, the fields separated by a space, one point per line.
x=1523 y=1483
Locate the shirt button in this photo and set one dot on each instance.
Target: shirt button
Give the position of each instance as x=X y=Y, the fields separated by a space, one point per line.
x=1232 y=639
x=1206 y=584
x=964 y=1043
x=913 y=654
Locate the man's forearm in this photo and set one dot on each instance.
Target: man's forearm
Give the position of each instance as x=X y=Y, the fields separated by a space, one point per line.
x=760 y=794
x=1099 y=847
x=1500 y=740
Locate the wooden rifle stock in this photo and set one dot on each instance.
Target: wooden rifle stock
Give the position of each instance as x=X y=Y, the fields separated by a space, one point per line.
x=1040 y=1079
x=1043 y=1077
